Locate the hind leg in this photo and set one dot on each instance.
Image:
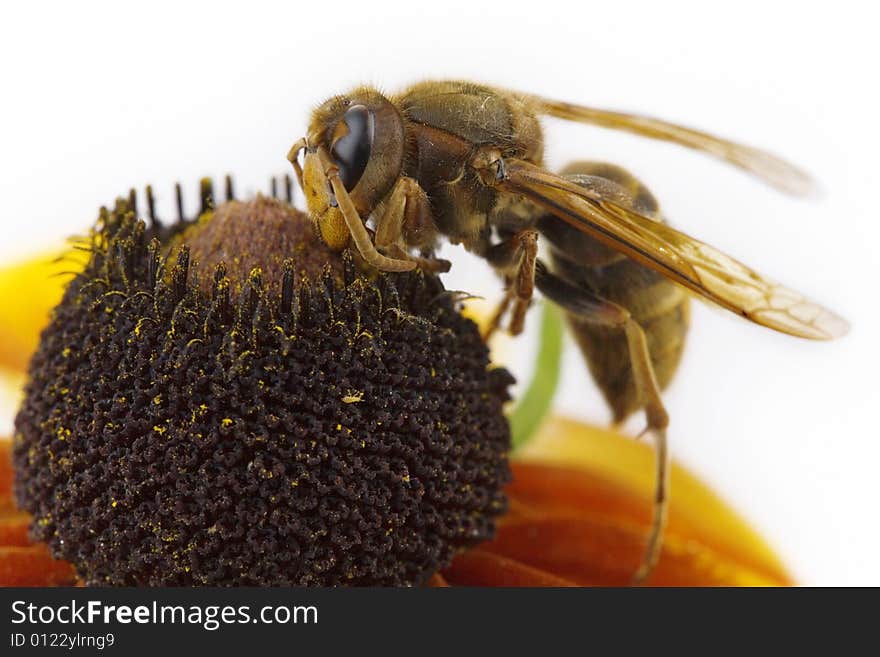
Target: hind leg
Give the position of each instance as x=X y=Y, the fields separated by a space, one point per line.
x=592 y=308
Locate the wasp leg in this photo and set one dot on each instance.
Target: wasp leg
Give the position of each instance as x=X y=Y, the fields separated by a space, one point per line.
x=293 y=158
x=498 y=315
x=405 y=219
x=355 y=224
x=515 y=258
x=589 y=307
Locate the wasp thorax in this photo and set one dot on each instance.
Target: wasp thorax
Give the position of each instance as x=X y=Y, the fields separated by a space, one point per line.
x=228 y=402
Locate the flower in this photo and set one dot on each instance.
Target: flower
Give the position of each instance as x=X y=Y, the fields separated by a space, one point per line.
x=198 y=414
x=579 y=501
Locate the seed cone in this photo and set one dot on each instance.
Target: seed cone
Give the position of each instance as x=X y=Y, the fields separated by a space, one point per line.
x=205 y=412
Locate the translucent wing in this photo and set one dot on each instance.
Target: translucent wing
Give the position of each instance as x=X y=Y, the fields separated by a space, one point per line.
x=768 y=167
x=694 y=264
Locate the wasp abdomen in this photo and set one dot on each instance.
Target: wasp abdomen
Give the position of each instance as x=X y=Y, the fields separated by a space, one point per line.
x=661 y=307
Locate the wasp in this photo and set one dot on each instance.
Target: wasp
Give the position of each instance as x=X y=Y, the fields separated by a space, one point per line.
x=391 y=175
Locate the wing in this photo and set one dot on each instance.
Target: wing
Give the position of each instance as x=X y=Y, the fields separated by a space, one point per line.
x=768 y=167
x=685 y=260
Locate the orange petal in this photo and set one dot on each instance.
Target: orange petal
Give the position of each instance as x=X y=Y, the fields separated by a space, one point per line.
x=593 y=549
x=6 y=475
x=580 y=511
x=33 y=566
x=626 y=467
x=14 y=529
x=23 y=563
x=30 y=289
x=437 y=581
x=479 y=567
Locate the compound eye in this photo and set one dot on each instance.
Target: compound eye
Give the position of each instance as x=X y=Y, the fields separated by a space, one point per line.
x=352 y=143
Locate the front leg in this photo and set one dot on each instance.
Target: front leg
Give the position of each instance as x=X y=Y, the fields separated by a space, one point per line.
x=404 y=221
x=355 y=224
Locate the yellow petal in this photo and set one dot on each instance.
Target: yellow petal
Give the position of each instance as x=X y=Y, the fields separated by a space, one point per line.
x=480 y=311
x=29 y=290
x=619 y=473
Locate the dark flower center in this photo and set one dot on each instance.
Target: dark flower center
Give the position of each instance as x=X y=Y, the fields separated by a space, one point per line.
x=227 y=415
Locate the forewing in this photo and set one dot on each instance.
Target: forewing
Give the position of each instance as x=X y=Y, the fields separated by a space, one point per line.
x=701 y=268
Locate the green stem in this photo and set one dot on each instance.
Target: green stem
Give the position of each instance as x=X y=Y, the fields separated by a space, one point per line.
x=538 y=397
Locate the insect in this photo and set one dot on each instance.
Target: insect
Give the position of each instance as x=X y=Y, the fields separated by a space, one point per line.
x=463 y=161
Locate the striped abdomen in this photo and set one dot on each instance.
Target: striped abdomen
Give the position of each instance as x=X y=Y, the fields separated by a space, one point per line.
x=661 y=307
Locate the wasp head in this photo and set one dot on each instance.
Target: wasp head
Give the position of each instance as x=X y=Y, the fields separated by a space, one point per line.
x=361 y=136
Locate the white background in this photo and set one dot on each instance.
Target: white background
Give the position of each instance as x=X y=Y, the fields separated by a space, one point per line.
x=96 y=99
